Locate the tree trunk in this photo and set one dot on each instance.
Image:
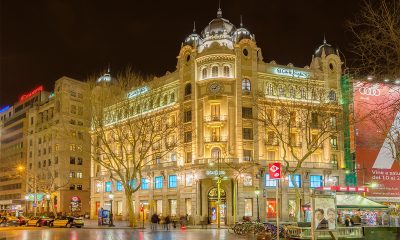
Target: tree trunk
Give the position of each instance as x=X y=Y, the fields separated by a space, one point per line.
x=132 y=220
x=297 y=192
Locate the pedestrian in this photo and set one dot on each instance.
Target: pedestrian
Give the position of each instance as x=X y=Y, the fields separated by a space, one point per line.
x=154 y=221
x=167 y=221
x=348 y=222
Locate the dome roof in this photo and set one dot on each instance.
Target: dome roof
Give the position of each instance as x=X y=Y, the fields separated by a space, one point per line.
x=242 y=33
x=193 y=39
x=327 y=48
x=218 y=26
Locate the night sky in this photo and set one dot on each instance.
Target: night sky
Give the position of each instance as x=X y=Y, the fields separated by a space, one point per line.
x=44 y=40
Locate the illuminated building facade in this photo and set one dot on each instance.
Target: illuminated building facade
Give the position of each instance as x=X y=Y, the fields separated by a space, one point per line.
x=58 y=155
x=219 y=76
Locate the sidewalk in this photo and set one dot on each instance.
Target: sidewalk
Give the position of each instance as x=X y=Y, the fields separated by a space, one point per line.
x=92 y=224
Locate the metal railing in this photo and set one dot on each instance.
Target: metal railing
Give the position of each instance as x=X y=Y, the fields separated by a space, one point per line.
x=305 y=164
x=340 y=232
x=216 y=139
x=215 y=118
x=211 y=161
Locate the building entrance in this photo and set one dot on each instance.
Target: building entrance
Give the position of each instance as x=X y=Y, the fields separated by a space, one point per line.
x=212 y=206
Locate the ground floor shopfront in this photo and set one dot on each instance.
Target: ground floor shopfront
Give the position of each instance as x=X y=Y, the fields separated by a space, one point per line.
x=195 y=195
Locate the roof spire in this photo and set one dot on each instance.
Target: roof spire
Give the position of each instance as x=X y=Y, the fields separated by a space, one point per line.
x=194 y=26
x=324 y=39
x=241 y=21
x=219 y=12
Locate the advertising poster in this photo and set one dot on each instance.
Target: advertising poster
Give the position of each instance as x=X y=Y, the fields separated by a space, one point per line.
x=377 y=140
x=324 y=213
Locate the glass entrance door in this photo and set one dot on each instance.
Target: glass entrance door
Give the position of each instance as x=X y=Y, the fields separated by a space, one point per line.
x=212 y=206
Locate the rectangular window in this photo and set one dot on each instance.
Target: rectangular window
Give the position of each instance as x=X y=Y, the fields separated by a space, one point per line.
x=158 y=182
x=188 y=137
x=247 y=155
x=159 y=207
x=80 y=161
x=316 y=181
x=72 y=187
x=270 y=182
x=248 y=133
x=119 y=208
x=271 y=208
x=145 y=184
x=297 y=180
x=248 y=207
x=247 y=112
x=334 y=143
x=173 y=206
x=73 y=109
x=188 y=157
x=189 y=180
x=172 y=181
x=215 y=111
x=72 y=174
x=99 y=184
x=119 y=186
x=132 y=183
x=71 y=160
x=107 y=186
x=79 y=175
x=187 y=116
x=79 y=187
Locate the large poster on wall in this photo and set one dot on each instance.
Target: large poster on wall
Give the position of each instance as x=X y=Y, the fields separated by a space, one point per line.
x=324 y=213
x=377 y=126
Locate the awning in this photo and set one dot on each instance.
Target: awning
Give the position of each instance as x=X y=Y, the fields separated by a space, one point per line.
x=344 y=201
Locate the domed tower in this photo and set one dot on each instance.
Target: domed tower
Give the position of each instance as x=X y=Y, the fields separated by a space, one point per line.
x=326 y=59
x=242 y=33
x=193 y=39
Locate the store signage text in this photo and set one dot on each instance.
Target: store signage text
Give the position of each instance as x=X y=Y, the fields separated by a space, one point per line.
x=138 y=92
x=30 y=94
x=214 y=172
x=291 y=73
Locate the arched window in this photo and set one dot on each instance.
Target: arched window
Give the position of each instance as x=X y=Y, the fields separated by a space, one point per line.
x=281 y=91
x=314 y=95
x=188 y=88
x=172 y=97
x=303 y=93
x=226 y=71
x=204 y=73
x=246 y=85
x=214 y=71
x=332 y=95
x=215 y=152
x=270 y=89
x=165 y=99
x=292 y=92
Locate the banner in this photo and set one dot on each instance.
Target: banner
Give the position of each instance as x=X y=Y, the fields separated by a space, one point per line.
x=324 y=213
x=377 y=124
x=274 y=170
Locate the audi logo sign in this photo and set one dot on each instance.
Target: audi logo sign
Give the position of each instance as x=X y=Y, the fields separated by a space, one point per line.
x=370 y=91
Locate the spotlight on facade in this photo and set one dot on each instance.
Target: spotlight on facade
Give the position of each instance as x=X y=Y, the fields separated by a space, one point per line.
x=369 y=78
x=386 y=80
x=397 y=81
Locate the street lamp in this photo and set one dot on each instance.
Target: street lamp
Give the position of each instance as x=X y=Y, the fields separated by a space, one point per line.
x=257 y=192
x=26 y=205
x=48 y=203
x=111 y=196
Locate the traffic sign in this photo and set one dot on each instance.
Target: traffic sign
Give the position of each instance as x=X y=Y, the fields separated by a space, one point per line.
x=274 y=170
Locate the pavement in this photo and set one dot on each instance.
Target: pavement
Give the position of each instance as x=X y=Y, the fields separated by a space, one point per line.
x=44 y=233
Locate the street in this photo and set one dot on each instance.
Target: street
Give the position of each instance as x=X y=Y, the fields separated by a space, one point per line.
x=114 y=234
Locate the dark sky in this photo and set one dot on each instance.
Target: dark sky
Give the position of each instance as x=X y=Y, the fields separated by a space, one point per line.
x=44 y=40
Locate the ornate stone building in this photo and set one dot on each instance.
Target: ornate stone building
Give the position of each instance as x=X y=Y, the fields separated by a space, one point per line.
x=220 y=78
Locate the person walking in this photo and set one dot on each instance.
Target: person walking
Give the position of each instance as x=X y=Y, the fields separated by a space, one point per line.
x=167 y=221
x=154 y=221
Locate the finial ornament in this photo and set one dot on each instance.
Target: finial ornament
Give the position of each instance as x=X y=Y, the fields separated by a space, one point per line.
x=324 y=39
x=241 y=21
x=194 y=26
x=219 y=12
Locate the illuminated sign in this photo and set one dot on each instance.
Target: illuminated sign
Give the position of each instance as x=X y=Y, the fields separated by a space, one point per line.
x=39 y=197
x=214 y=172
x=51 y=95
x=4 y=109
x=291 y=73
x=343 y=189
x=33 y=92
x=138 y=92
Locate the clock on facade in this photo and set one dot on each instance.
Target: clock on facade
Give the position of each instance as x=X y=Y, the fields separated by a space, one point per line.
x=214 y=88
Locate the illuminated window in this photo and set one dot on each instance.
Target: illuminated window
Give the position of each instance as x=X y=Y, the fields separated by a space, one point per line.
x=98 y=186
x=271 y=208
x=247 y=155
x=248 y=133
x=214 y=71
x=246 y=85
x=334 y=143
x=204 y=73
x=226 y=71
x=107 y=187
x=189 y=180
x=119 y=186
x=79 y=175
x=316 y=181
x=297 y=180
x=247 y=181
x=172 y=181
x=158 y=182
x=292 y=92
x=79 y=187
x=270 y=182
x=332 y=95
x=145 y=184
x=303 y=93
x=248 y=207
x=281 y=91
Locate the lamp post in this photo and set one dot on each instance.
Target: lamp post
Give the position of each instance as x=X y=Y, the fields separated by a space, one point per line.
x=257 y=192
x=48 y=203
x=26 y=205
x=111 y=196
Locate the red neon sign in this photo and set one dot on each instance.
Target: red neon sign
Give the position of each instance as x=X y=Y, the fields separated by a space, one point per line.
x=30 y=94
x=343 y=189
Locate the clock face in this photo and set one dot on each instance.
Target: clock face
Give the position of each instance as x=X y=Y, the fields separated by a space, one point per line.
x=214 y=88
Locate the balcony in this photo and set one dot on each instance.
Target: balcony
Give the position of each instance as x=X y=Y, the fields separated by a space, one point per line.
x=215 y=118
x=271 y=142
x=215 y=139
x=212 y=161
x=306 y=164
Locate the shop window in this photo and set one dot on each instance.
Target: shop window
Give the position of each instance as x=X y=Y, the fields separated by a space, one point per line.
x=270 y=182
x=107 y=187
x=248 y=207
x=316 y=181
x=271 y=208
x=297 y=181
x=119 y=186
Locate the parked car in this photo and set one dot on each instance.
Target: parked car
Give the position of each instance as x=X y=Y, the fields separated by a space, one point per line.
x=22 y=220
x=33 y=221
x=12 y=221
x=67 y=222
x=45 y=221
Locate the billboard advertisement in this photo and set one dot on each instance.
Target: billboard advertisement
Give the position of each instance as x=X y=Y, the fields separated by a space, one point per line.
x=377 y=126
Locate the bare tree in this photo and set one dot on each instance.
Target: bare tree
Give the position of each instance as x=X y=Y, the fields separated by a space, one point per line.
x=300 y=127
x=135 y=124
x=377 y=39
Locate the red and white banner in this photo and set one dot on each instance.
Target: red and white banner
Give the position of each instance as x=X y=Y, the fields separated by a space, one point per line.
x=377 y=126
x=274 y=170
